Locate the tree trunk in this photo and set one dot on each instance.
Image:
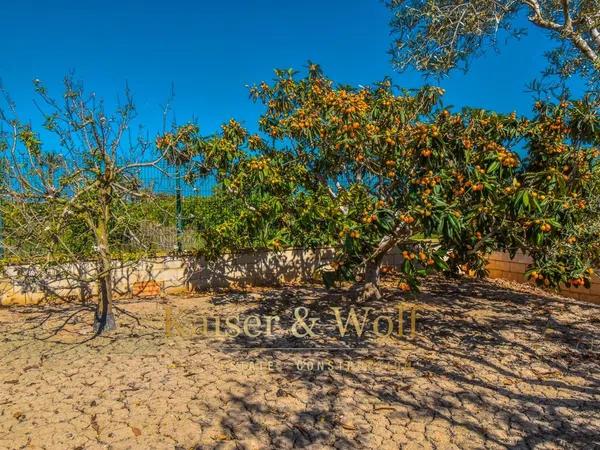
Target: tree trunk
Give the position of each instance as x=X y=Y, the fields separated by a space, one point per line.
x=370 y=289
x=104 y=319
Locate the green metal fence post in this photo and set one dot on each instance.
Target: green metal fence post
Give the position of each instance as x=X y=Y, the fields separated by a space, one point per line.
x=178 y=209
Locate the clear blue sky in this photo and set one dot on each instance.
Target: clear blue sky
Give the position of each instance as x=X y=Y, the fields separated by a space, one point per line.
x=210 y=50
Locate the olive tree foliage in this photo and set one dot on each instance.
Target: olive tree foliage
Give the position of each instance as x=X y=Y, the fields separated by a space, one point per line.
x=67 y=202
x=377 y=167
x=436 y=36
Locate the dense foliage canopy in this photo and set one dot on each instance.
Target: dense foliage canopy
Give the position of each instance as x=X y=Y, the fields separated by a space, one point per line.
x=375 y=167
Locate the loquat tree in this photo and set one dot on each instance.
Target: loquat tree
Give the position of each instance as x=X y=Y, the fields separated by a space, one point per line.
x=373 y=168
x=558 y=204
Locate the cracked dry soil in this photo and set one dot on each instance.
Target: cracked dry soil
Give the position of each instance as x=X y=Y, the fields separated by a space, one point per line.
x=493 y=365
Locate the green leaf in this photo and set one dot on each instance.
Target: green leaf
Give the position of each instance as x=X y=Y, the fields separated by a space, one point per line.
x=493 y=167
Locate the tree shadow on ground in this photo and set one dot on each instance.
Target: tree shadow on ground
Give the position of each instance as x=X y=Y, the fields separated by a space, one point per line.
x=490 y=366
x=493 y=364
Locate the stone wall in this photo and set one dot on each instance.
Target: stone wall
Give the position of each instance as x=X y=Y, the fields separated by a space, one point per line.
x=171 y=275
x=31 y=285
x=501 y=266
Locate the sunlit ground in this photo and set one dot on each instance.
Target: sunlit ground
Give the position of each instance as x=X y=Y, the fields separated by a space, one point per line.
x=492 y=365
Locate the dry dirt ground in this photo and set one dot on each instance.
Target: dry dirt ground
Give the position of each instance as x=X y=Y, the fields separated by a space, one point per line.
x=492 y=365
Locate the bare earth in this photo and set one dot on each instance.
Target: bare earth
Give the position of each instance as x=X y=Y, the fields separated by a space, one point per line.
x=493 y=365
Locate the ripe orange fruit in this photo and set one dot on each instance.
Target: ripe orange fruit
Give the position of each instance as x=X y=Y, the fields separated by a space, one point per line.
x=578 y=282
x=404 y=287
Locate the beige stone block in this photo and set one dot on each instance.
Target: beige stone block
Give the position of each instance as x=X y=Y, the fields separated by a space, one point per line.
x=594 y=289
x=177 y=290
x=35 y=298
x=146 y=289
x=498 y=256
x=521 y=258
x=494 y=273
x=499 y=263
x=592 y=294
x=504 y=266
x=505 y=275
x=169 y=275
x=589 y=298
x=516 y=276
x=493 y=265
x=518 y=267
x=175 y=263
x=247 y=258
x=569 y=294
x=19 y=299
x=6 y=286
x=573 y=291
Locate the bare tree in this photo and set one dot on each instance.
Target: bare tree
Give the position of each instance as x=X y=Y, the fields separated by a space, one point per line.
x=71 y=208
x=437 y=36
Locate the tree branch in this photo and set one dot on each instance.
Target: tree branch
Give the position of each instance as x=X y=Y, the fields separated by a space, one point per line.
x=566 y=30
x=567 y=14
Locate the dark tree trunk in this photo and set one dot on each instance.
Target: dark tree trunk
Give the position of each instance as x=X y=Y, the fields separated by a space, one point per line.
x=104 y=319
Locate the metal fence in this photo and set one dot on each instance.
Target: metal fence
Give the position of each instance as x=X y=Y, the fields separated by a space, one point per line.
x=174 y=203
x=169 y=181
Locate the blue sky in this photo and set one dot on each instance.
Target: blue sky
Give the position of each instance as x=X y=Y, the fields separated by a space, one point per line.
x=210 y=50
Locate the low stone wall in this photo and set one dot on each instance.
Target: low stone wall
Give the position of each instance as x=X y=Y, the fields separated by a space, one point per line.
x=503 y=267
x=171 y=275
x=31 y=285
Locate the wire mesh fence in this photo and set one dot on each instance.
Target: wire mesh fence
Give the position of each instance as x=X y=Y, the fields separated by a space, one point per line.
x=164 y=178
x=184 y=204
x=168 y=218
